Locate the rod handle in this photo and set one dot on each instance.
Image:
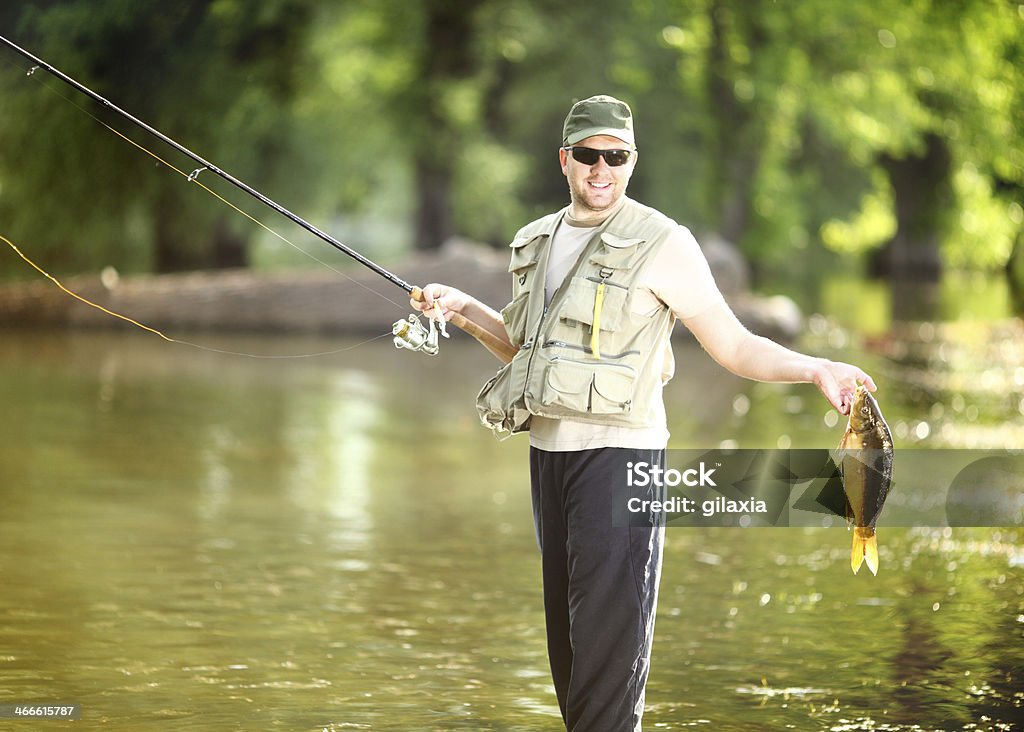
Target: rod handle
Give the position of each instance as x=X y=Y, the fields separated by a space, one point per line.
x=504 y=351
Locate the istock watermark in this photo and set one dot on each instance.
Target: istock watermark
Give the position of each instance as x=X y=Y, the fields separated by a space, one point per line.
x=763 y=488
x=646 y=475
x=641 y=475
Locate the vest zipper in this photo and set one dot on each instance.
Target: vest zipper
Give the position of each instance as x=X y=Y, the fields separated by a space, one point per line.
x=540 y=282
x=583 y=349
x=605 y=281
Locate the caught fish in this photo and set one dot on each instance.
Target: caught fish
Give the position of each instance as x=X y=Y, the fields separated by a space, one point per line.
x=865 y=457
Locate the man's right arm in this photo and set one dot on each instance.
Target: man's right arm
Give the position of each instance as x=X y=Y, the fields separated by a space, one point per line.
x=454 y=301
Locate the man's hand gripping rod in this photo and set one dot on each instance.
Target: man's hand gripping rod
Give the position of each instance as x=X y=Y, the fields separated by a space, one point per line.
x=412 y=335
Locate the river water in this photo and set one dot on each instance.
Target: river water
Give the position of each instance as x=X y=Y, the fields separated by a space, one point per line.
x=194 y=541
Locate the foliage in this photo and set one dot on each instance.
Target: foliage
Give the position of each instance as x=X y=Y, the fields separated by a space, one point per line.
x=210 y=73
x=785 y=126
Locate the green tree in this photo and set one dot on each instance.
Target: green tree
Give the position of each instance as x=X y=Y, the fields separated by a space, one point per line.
x=874 y=125
x=438 y=107
x=214 y=74
x=865 y=127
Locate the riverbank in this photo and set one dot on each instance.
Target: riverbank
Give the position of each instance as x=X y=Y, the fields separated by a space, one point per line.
x=321 y=301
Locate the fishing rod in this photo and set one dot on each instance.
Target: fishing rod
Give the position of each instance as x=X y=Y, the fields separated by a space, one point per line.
x=409 y=333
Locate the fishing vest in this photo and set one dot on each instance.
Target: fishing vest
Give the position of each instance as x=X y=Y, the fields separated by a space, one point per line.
x=586 y=356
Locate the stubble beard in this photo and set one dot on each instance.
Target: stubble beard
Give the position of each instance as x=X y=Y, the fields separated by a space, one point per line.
x=588 y=201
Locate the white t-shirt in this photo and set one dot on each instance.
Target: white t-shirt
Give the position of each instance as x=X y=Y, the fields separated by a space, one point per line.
x=566 y=247
x=677 y=275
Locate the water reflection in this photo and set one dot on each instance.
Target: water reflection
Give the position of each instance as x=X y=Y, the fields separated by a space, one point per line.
x=354 y=414
x=214 y=543
x=216 y=488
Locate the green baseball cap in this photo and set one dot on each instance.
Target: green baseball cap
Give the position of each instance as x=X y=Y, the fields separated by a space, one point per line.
x=598 y=115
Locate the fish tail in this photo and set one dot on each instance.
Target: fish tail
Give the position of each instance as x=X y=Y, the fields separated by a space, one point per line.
x=865 y=549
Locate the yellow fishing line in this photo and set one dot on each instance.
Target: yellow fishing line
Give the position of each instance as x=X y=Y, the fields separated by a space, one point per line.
x=75 y=295
x=166 y=337
x=194 y=178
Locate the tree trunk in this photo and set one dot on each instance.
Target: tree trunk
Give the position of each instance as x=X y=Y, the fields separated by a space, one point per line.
x=434 y=211
x=180 y=249
x=229 y=249
x=736 y=158
x=172 y=251
x=1015 y=275
x=921 y=188
x=448 y=57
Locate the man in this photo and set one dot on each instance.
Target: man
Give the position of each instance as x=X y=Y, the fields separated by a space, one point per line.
x=597 y=288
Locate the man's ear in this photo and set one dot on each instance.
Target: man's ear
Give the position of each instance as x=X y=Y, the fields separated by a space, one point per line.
x=563 y=160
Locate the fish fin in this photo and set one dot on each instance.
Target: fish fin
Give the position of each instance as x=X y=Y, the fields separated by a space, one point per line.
x=871 y=553
x=856 y=553
x=865 y=549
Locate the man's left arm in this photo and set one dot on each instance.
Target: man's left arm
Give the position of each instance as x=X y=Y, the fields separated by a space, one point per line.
x=726 y=339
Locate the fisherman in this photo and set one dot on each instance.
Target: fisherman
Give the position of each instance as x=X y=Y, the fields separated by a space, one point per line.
x=597 y=288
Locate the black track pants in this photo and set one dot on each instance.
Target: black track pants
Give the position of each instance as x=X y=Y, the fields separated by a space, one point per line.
x=600 y=585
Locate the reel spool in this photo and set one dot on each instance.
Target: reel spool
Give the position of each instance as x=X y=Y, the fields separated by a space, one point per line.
x=411 y=335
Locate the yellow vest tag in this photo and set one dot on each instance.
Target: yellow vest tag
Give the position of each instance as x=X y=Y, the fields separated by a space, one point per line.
x=595 y=333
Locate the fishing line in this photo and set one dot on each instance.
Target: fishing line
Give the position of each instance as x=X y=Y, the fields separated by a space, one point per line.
x=203 y=163
x=166 y=337
x=193 y=177
x=408 y=333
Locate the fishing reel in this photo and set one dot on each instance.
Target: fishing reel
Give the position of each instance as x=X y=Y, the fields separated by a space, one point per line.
x=411 y=335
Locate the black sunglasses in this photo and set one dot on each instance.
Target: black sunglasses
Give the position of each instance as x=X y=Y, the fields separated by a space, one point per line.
x=589 y=155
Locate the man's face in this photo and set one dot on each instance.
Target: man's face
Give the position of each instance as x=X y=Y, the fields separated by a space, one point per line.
x=599 y=187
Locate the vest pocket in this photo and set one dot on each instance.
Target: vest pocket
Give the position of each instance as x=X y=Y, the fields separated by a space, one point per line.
x=514 y=317
x=588 y=387
x=525 y=253
x=612 y=391
x=492 y=403
x=501 y=403
x=580 y=299
x=523 y=268
x=616 y=252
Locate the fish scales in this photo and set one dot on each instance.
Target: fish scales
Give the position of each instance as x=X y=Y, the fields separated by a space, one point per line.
x=866 y=458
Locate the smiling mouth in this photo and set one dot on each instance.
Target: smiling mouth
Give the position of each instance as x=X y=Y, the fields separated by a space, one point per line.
x=599 y=185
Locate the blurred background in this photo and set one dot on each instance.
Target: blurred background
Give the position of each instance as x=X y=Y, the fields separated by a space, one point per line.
x=213 y=541
x=820 y=137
